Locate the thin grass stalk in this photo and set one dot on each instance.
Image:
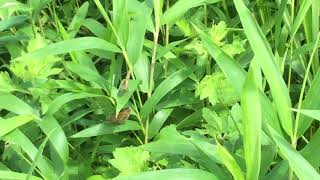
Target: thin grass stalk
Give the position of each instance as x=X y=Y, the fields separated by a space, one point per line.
x=294 y=140
x=153 y=59
x=122 y=47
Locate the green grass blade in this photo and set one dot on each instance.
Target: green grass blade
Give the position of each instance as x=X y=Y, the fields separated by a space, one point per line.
x=58 y=139
x=314 y=114
x=251 y=123
x=104 y=128
x=61 y=100
x=96 y=28
x=304 y=7
x=10 y=124
x=11 y=22
x=158 y=121
x=190 y=120
x=14 y=104
x=179 y=8
x=137 y=30
x=123 y=99
x=266 y=60
x=300 y=166
x=76 y=116
x=89 y=74
x=166 y=49
x=311 y=101
x=230 y=163
x=141 y=70
x=38 y=155
x=67 y=46
x=165 y=87
x=18 y=138
x=279 y=172
x=77 y=20
x=311 y=150
x=16 y=176
x=37 y=6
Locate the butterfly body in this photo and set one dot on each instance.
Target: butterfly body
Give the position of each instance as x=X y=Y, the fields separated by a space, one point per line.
x=121 y=118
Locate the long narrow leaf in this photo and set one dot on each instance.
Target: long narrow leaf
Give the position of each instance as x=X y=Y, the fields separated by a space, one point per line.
x=251 y=122
x=266 y=60
x=300 y=166
x=7 y=125
x=166 y=86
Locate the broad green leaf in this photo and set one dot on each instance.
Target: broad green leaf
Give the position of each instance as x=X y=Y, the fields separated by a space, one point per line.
x=38 y=155
x=120 y=21
x=158 y=121
x=268 y=153
x=37 y=6
x=141 y=70
x=37 y=68
x=61 y=100
x=279 y=172
x=14 y=104
x=7 y=125
x=311 y=150
x=212 y=118
x=166 y=49
x=191 y=119
x=88 y=74
x=157 y=7
x=77 y=20
x=230 y=163
x=18 y=138
x=187 y=174
x=70 y=85
x=137 y=30
x=266 y=60
x=311 y=101
x=67 y=46
x=123 y=98
x=304 y=7
x=299 y=165
x=170 y=141
x=106 y=128
x=217 y=89
x=251 y=123
x=165 y=87
x=11 y=22
x=230 y=67
x=95 y=27
x=6 y=83
x=76 y=116
x=179 y=8
x=130 y=160
x=9 y=7
x=16 y=176
x=50 y=126
x=314 y=114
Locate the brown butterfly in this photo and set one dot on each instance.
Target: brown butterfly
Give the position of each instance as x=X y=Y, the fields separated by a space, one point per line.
x=121 y=118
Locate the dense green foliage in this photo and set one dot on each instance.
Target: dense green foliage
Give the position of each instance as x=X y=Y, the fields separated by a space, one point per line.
x=159 y=89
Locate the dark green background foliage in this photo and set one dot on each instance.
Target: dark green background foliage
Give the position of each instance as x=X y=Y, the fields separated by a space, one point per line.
x=159 y=89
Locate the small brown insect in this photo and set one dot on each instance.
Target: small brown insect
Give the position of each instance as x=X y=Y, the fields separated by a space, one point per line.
x=121 y=118
x=124 y=82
